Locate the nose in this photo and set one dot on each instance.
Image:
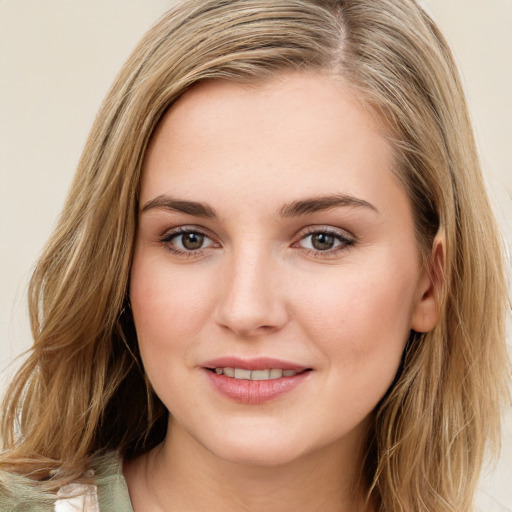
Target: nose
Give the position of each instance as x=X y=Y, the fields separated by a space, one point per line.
x=251 y=300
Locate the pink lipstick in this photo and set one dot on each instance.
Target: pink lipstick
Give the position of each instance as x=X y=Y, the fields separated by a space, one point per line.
x=254 y=381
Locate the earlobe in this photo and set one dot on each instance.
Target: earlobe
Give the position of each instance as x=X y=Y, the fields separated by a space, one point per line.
x=427 y=308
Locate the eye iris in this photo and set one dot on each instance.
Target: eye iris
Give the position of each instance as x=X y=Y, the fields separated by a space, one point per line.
x=322 y=241
x=192 y=241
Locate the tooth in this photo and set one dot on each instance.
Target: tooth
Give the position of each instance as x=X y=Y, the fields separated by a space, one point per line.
x=275 y=373
x=242 y=374
x=260 y=374
x=289 y=373
x=228 y=372
x=218 y=371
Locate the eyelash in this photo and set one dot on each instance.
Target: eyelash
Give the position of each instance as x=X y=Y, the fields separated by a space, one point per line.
x=345 y=241
x=169 y=236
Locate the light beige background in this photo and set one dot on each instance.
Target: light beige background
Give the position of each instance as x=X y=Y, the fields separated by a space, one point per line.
x=57 y=60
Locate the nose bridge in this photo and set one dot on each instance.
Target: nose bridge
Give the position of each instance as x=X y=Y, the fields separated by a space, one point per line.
x=250 y=301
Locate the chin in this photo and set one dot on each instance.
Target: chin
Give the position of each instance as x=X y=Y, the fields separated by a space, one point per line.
x=254 y=454
x=252 y=446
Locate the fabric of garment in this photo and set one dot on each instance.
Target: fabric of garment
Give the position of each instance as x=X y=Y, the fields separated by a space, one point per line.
x=107 y=493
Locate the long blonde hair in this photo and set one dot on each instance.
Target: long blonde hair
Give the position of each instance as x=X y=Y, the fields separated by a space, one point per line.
x=82 y=389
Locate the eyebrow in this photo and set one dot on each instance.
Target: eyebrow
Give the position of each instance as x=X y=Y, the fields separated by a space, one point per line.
x=181 y=206
x=295 y=209
x=317 y=204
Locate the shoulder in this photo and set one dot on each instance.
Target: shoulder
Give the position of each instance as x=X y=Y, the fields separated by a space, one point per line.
x=78 y=497
x=107 y=493
x=27 y=498
x=112 y=490
x=18 y=493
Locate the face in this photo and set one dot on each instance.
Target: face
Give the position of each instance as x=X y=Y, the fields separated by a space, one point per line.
x=276 y=275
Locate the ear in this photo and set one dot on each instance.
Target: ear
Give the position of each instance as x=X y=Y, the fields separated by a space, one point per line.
x=427 y=306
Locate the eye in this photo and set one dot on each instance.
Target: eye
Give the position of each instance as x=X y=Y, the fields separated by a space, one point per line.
x=190 y=241
x=185 y=240
x=325 y=241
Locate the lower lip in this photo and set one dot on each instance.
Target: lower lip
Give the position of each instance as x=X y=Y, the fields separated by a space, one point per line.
x=254 y=392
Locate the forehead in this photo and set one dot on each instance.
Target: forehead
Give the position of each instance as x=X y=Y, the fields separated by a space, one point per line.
x=300 y=133
x=311 y=97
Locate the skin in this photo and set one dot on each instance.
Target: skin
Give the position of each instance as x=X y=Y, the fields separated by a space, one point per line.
x=258 y=286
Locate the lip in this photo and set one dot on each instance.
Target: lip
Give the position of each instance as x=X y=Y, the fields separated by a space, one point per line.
x=259 y=363
x=254 y=392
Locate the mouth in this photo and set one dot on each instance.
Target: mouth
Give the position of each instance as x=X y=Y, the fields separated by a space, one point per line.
x=264 y=374
x=255 y=381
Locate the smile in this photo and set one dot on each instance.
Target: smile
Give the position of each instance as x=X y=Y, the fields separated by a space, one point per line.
x=254 y=381
x=243 y=374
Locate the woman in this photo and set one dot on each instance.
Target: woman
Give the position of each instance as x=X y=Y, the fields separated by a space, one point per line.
x=276 y=283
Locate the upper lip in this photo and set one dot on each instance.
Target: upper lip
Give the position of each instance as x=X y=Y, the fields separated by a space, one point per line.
x=259 y=363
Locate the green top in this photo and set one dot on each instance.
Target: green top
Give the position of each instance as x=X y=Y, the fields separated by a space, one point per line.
x=19 y=494
x=111 y=485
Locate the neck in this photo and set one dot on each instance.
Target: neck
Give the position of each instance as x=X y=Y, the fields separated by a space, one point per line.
x=181 y=475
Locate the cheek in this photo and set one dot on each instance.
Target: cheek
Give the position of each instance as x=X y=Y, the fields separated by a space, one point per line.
x=360 y=332
x=361 y=320
x=168 y=307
